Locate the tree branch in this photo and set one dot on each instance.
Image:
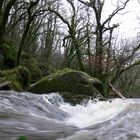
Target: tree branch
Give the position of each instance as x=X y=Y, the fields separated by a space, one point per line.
x=115 y=12
x=61 y=17
x=137 y=62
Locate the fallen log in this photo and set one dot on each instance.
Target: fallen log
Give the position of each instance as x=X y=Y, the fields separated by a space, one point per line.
x=5 y=86
x=116 y=91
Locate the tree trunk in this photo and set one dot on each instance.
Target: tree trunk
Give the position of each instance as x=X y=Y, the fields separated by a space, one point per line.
x=23 y=41
x=26 y=30
x=51 y=27
x=88 y=49
x=1 y=4
x=99 y=55
x=4 y=18
x=78 y=53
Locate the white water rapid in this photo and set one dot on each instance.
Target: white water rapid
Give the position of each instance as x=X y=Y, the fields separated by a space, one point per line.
x=83 y=116
x=48 y=117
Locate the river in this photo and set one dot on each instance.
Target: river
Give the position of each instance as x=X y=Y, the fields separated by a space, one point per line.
x=48 y=117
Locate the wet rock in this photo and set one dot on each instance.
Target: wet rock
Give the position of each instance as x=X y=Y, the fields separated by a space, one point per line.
x=68 y=81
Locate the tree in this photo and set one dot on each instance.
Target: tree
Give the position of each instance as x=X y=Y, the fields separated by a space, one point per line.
x=30 y=19
x=72 y=31
x=4 y=14
x=102 y=27
x=125 y=58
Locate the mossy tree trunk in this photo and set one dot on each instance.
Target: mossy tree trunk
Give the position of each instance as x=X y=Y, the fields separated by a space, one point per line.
x=78 y=51
x=26 y=30
x=23 y=40
x=72 y=31
x=4 y=14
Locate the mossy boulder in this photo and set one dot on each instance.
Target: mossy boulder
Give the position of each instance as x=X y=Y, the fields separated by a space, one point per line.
x=15 y=79
x=70 y=81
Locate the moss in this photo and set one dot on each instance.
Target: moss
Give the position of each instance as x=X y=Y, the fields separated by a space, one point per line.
x=24 y=77
x=33 y=66
x=67 y=80
x=9 y=51
x=18 y=78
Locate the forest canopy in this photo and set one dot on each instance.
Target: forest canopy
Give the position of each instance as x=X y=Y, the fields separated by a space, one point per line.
x=49 y=35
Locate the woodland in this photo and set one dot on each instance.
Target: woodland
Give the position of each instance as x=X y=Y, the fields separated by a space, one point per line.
x=49 y=35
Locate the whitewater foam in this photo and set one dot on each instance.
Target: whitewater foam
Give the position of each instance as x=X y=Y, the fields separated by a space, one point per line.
x=52 y=106
x=84 y=116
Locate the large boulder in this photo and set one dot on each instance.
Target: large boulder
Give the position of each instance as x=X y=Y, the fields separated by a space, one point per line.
x=15 y=79
x=68 y=81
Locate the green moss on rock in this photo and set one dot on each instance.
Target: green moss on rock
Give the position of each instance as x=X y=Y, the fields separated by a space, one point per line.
x=18 y=78
x=68 y=80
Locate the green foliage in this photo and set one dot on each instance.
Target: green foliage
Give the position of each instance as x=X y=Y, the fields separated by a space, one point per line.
x=22 y=138
x=8 y=50
x=24 y=76
x=33 y=66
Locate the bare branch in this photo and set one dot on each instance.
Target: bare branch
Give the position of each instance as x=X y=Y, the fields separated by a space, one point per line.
x=60 y=16
x=137 y=62
x=119 y=8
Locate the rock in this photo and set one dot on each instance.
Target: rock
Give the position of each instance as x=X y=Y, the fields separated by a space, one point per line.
x=68 y=81
x=73 y=98
x=15 y=79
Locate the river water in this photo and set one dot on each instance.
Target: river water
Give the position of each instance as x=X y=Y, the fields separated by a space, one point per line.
x=48 y=117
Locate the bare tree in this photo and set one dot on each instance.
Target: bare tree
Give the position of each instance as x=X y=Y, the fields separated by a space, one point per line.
x=72 y=31
x=102 y=27
x=31 y=15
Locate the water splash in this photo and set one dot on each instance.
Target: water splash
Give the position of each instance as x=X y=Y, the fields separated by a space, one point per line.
x=94 y=112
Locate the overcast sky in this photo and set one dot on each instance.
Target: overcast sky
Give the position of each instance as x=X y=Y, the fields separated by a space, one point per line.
x=129 y=23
